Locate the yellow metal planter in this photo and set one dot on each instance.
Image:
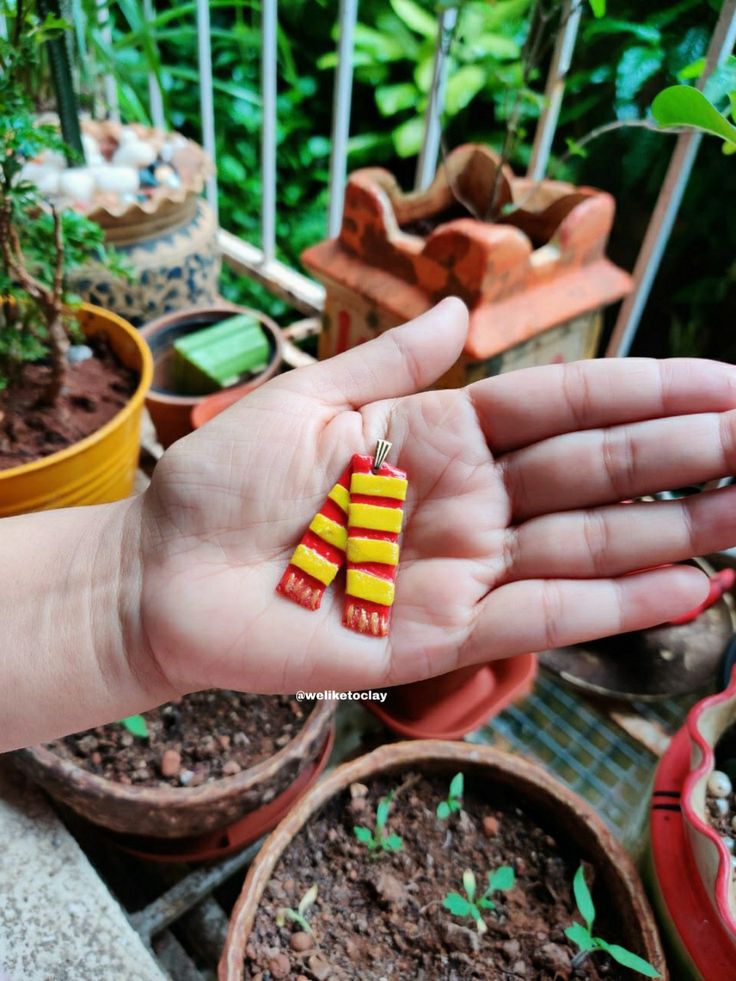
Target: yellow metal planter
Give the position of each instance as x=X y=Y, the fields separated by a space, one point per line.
x=102 y=466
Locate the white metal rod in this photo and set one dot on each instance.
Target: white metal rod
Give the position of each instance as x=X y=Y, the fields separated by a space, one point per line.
x=206 y=101
x=108 y=81
x=427 y=162
x=558 y=69
x=155 y=101
x=669 y=200
x=348 y=14
x=269 y=29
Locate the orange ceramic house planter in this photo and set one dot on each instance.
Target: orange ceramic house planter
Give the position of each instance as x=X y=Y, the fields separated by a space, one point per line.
x=101 y=467
x=534 y=281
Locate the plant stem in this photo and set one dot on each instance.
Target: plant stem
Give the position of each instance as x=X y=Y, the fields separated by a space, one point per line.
x=61 y=74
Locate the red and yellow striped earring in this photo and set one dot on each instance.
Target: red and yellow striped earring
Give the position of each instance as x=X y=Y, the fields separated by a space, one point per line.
x=360 y=520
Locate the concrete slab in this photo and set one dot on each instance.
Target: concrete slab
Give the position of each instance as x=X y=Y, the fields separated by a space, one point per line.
x=58 y=921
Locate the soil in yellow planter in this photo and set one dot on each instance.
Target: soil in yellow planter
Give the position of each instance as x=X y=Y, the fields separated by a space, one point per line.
x=102 y=466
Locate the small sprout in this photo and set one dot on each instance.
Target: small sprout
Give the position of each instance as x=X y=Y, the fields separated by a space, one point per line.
x=499 y=881
x=378 y=839
x=298 y=915
x=454 y=801
x=587 y=944
x=136 y=726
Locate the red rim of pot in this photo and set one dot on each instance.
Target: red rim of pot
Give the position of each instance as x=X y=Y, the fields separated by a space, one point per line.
x=565 y=809
x=171 y=413
x=178 y=812
x=439 y=709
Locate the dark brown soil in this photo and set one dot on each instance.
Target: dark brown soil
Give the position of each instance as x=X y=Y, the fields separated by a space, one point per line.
x=95 y=391
x=198 y=739
x=382 y=917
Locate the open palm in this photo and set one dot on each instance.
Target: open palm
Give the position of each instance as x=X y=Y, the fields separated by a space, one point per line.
x=514 y=538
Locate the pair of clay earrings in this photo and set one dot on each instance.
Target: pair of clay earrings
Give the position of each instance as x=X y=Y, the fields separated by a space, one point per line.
x=360 y=521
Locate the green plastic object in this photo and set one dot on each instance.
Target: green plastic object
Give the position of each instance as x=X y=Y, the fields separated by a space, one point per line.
x=218 y=356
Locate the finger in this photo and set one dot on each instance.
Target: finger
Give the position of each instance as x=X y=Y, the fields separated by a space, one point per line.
x=612 y=541
x=604 y=466
x=540 y=614
x=401 y=361
x=523 y=407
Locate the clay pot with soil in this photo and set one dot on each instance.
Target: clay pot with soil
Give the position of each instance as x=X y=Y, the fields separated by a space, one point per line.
x=384 y=870
x=171 y=409
x=188 y=768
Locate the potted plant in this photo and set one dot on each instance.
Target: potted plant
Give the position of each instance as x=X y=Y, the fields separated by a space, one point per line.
x=73 y=377
x=194 y=778
x=171 y=401
x=441 y=859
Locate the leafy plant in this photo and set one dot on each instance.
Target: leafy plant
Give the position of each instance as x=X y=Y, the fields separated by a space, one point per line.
x=454 y=801
x=136 y=726
x=377 y=840
x=468 y=905
x=587 y=944
x=683 y=105
x=298 y=915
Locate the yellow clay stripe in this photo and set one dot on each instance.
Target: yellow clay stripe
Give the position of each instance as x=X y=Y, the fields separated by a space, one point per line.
x=371 y=483
x=329 y=531
x=341 y=496
x=362 y=585
x=372 y=550
x=308 y=561
x=375 y=518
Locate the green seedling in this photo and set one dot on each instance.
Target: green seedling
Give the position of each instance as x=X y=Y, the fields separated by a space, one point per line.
x=378 y=840
x=587 y=944
x=454 y=801
x=136 y=726
x=499 y=881
x=298 y=915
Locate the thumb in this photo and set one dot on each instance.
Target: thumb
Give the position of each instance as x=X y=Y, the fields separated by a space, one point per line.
x=401 y=361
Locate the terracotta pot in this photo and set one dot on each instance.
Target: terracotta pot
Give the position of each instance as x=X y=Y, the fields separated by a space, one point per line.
x=172 y=413
x=101 y=467
x=690 y=866
x=533 y=280
x=452 y=705
x=178 y=812
x=565 y=814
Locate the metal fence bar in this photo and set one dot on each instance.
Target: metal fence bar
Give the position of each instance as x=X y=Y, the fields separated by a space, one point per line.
x=427 y=162
x=555 y=89
x=269 y=28
x=155 y=99
x=206 y=100
x=669 y=200
x=108 y=81
x=348 y=15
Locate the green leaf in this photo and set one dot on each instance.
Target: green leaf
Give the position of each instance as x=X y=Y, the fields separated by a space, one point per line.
x=598 y=7
x=694 y=70
x=307 y=899
x=583 y=898
x=637 y=65
x=632 y=961
x=497 y=46
x=417 y=19
x=682 y=105
x=384 y=806
x=486 y=902
x=391 y=99
x=580 y=936
x=503 y=878
x=364 y=835
x=443 y=810
x=393 y=843
x=462 y=87
x=457 y=785
x=458 y=905
x=613 y=25
x=469 y=884
x=408 y=137
x=136 y=725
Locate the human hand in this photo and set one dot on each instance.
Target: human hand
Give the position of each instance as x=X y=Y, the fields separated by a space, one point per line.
x=513 y=540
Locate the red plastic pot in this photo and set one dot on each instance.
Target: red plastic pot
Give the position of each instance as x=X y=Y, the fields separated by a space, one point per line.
x=172 y=413
x=452 y=705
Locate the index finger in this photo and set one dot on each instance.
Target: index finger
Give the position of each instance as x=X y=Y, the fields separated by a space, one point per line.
x=523 y=407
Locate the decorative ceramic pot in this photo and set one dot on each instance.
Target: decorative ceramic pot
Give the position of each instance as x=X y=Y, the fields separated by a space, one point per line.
x=534 y=280
x=171 y=412
x=101 y=467
x=563 y=812
x=180 y=812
